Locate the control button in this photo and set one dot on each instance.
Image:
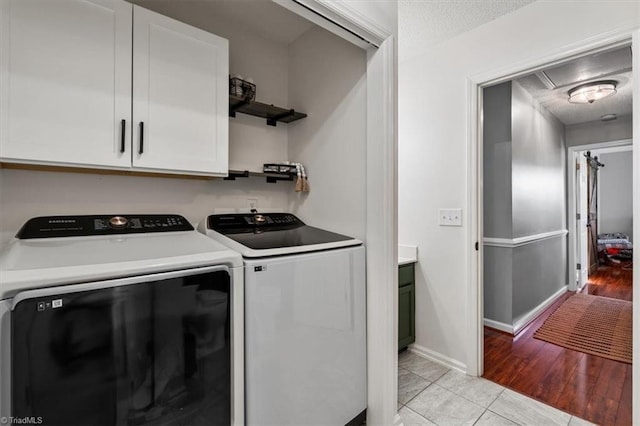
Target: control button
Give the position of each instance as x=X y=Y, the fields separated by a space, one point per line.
x=118 y=222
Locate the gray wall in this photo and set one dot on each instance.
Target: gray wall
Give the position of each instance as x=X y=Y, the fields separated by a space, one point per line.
x=539 y=271
x=616 y=199
x=599 y=131
x=525 y=195
x=538 y=170
x=496 y=138
x=498 y=288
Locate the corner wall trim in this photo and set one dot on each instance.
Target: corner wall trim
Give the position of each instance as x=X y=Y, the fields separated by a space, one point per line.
x=524 y=320
x=521 y=241
x=498 y=325
x=438 y=357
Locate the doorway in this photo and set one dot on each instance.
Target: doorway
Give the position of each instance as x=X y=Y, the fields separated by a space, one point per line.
x=585 y=197
x=527 y=215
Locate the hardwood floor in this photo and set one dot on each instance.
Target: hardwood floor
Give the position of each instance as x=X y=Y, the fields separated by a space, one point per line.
x=612 y=281
x=591 y=387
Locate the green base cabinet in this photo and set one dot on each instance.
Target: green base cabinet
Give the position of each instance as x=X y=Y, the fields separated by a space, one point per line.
x=406 y=306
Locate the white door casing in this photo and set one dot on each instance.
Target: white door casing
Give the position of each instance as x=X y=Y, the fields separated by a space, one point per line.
x=635 y=398
x=581 y=222
x=578 y=234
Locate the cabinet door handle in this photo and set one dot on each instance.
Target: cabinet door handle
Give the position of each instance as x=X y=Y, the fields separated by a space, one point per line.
x=123 y=124
x=141 y=147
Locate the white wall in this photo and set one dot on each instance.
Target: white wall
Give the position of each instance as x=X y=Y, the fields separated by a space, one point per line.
x=331 y=141
x=27 y=194
x=599 y=131
x=433 y=150
x=615 y=201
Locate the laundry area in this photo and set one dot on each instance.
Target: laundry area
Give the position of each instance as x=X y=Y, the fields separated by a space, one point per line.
x=310 y=212
x=131 y=132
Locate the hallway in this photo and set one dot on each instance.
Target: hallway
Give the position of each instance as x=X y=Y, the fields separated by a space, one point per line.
x=588 y=386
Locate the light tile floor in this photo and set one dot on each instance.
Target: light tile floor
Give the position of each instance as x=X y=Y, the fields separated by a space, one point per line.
x=430 y=394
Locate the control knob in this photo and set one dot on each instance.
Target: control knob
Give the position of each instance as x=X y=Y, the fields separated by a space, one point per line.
x=259 y=219
x=118 y=222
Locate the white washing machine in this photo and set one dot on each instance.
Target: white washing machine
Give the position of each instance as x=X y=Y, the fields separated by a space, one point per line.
x=110 y=320
x=305 y=319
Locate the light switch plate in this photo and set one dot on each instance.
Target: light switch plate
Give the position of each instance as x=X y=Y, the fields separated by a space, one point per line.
x=450 y=217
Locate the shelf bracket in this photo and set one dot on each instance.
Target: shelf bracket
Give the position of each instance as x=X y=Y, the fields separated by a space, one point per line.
x=236 y=174
x=270 y=177
x=273 y=120
x=245 y=101
x=275 y=179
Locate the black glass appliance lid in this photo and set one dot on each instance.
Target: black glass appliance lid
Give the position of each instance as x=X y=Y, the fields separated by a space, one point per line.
x=269 y=231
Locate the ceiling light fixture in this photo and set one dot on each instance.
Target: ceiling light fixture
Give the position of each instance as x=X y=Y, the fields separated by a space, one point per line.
x=590 y=92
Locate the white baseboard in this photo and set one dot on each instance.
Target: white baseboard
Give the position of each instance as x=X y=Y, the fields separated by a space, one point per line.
x=507 y=328
x=438 y=357
x=524 y=320
x=397 y=421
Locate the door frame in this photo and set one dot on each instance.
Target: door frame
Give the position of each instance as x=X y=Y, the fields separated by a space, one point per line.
x=380 y=45
x=475 y=84
x=572 y=193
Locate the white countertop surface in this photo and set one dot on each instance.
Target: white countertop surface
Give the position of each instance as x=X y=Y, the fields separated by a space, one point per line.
x=407 y=254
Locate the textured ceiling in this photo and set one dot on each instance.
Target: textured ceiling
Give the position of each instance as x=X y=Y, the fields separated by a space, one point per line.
x=552 y=89
x=425 y=23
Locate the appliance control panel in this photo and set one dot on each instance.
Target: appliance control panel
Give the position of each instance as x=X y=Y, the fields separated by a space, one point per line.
x=249 y=221
x=80 y=226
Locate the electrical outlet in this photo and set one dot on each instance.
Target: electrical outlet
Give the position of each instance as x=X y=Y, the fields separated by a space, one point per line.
x=253 y=203
x=450 y=217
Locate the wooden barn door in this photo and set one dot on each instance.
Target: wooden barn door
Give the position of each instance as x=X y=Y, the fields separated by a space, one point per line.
x=592 y=218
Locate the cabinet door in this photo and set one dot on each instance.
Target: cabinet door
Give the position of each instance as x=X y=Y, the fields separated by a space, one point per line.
x=406 y=274
x=181 y=100
x=406 y=306
x=65 y=82
x=406 y=316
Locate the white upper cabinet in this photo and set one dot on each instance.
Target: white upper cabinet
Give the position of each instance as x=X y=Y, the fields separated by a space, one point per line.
x=65 y=82
x=66 y=88
x=180 y=96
